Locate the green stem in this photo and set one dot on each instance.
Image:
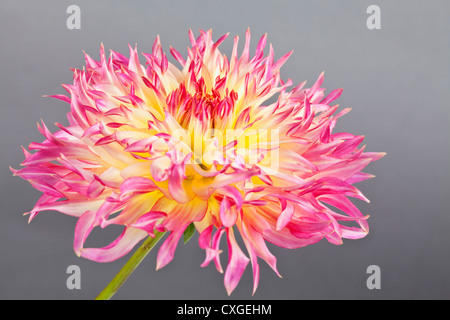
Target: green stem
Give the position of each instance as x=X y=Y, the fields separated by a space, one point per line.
x=129 y=267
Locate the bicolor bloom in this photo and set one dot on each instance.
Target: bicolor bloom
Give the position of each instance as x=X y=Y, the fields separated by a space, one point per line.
x=158 y=147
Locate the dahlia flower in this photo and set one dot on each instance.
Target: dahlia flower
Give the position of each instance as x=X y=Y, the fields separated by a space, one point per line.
x=158 y=148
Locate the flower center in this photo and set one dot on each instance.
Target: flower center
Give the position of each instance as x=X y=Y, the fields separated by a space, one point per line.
x=194 y=106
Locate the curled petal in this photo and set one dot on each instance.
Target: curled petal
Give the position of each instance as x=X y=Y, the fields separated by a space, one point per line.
x=211 y=247
x=136 y=185
x=116 y=249
x=228 y=215
x=286 y=215
x=148 y=221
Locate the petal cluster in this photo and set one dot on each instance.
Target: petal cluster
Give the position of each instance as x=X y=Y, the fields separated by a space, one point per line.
x=154 y=146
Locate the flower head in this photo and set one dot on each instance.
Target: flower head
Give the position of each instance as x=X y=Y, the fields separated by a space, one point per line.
x=157 y=147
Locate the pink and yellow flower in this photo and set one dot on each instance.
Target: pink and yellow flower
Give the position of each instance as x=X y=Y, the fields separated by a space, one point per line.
x=157 y=147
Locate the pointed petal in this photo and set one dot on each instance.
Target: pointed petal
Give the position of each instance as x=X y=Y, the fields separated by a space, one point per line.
x=237 y=262
x=167 y=250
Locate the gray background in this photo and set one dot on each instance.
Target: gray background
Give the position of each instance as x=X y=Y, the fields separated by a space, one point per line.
x=396 y=80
